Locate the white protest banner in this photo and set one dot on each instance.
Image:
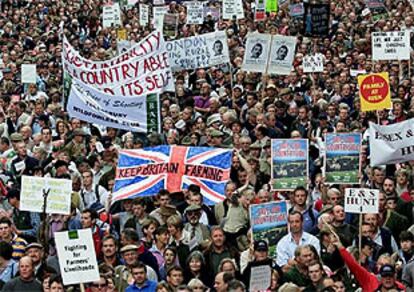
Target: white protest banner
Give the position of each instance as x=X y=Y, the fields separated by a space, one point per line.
x=361 y=201
x=143 y=14
x=282 y=54
x=195 y=11
x=391 y=144
x=233 y=8
x=158 y=2
x=391 y=45
x=29 y=73
x=260 y=278
x=123 y=46
x=313 y=63
x=257 y=52
x=77 y=256
x=111 y=15
x=142 y=70
x=58 y=199
x=199 y=51
x=158 y=13
x=140 y=114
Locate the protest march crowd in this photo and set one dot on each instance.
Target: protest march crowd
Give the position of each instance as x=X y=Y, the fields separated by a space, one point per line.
x=206 y=146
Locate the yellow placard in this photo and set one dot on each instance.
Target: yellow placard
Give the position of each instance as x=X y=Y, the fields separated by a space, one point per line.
x=374 y=91
x=122 y=34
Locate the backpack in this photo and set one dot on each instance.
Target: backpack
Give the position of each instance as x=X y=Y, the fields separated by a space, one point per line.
x=98 y=197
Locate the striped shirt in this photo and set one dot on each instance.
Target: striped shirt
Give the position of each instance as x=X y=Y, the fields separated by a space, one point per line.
x=19 y=246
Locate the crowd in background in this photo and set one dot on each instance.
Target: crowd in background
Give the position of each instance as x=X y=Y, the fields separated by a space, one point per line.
x=175 y=242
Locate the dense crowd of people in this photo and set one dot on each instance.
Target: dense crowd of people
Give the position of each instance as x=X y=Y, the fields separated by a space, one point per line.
x=174 y=241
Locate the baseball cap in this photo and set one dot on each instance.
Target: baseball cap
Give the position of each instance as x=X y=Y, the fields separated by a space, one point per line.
x=261 y=245
x=387 y=270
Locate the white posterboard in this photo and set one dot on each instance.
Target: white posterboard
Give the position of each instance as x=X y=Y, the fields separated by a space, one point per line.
x=257 y=52
x=361 y=201
x=233 y=8
x=58 y=199
x=111 y=15
x=260 y=278
x=143 y=14
x=77 y=256
x=195 y=12
x=29 y=74
x=391 y=45
x=158 y=14
x=313 y=63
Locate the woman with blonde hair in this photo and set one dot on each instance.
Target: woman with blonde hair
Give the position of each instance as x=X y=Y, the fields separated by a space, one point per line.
x=196 y=285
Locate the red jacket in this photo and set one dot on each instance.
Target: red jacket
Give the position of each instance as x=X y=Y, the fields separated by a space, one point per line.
x=367 y=281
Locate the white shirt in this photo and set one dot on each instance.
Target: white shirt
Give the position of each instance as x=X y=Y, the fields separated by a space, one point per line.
x=89 y=197
x=285 y=249
x=378 y=240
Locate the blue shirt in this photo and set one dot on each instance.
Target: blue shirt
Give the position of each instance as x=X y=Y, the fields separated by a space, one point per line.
x=286 y=247
x=149 y=286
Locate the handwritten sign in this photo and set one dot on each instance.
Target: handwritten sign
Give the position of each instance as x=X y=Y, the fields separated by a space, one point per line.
x=391 y=45
x=58 y=199
x=361 y=201
x=313 y=63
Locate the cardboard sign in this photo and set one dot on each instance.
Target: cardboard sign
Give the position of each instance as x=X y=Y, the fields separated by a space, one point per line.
x=233 y=8
x=170 y=25
x=289 y=163
x=256 y=52
x=269 y=222
x=29 y=73
x=316 y=19
x=122 y=34
x=361 y=201
x=58 y=199
x=260 y=10
x=342 y=158
x=374 y=91
x=313 y=63
x=392 y=143
x=111 y=15
x=271 y=6
x=296 y=10
x=158 y=13
x=260 y=278
x=391 y=45
x=195 y=12
x=143 y=14
x=282 y=54
x=377 y=9
x=77 y=257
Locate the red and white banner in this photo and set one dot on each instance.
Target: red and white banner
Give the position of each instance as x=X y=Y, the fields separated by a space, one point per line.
x=143 y=69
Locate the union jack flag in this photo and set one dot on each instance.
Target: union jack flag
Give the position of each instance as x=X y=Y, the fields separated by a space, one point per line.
x=145 y=171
